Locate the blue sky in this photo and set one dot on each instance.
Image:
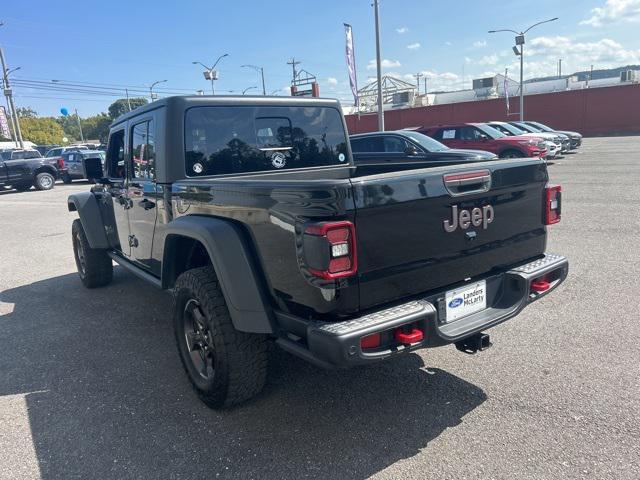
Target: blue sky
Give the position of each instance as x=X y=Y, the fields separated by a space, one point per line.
x=137 y=43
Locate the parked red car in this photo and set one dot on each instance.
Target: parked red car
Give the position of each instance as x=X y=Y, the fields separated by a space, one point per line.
x=478 y=136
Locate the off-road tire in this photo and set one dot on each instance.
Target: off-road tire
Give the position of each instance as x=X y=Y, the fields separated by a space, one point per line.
x=512 y=154
x=44 y=181
x=23 y=187
x=239 y=359
x=95 y=267
x=66 y=178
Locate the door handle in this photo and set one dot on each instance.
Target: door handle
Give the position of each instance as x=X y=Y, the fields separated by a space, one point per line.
x=147 y=204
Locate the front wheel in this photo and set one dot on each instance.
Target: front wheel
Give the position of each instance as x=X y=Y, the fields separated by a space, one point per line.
x=511 y=154
x=44 y=181
x=225 y=366
x=94 y=266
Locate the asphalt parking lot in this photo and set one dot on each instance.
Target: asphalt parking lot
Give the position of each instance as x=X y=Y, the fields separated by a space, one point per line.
x=91 y=385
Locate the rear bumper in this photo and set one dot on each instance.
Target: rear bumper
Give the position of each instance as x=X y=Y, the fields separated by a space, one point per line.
x=337 y=344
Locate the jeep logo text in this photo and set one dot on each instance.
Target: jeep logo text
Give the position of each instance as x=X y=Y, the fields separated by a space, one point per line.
x=465 y=218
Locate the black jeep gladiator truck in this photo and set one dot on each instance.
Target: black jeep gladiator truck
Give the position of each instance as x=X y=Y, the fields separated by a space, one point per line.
x=252 y=213
x=23 y=169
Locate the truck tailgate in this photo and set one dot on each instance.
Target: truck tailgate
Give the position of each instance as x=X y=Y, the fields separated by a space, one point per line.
x=403 y=246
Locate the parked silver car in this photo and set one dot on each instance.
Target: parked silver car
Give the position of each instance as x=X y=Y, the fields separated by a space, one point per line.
x=74 y=163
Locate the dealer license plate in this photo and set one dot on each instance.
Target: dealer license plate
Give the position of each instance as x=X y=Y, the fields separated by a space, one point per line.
x=466 y=300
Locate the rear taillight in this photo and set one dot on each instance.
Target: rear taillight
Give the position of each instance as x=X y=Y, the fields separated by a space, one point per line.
x=552 y=204
x=60 y=162
x=330 y=249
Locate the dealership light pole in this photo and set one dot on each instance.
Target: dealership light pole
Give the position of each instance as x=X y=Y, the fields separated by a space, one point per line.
x=520 y=53
x=152 y=95
x=378 y=68
x=210 y=72
x=261 y=70
x=247 y=89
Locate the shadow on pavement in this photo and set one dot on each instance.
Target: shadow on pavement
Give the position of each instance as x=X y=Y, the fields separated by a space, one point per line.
x=111 y=400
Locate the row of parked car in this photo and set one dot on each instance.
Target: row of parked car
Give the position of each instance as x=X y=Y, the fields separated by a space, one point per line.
x=466 y=142
x=25 y=168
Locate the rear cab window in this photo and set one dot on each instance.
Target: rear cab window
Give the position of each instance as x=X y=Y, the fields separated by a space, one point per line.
x=235 y=140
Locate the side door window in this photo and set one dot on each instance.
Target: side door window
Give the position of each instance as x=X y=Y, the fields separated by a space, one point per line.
x=358 y=145
x=393 y=144
x=468 y=134
x=143 y=152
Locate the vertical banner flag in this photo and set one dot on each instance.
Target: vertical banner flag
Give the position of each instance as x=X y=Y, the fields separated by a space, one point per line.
x=351 y=63
x=4 y=124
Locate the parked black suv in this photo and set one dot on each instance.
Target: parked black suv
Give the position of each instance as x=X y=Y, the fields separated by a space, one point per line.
x=253 y=213
x=407 y=149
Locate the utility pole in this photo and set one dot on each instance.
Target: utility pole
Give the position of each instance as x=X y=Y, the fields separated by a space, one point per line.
x=79 y=126
x=293 y=64
x=417 y=77
x=379 y=69
x=126 y=91
x=559 y=68
x=8 y=93
x=590 y=76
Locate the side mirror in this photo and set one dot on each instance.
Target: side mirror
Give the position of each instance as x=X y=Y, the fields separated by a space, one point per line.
x=92 y=168
x=411 y=151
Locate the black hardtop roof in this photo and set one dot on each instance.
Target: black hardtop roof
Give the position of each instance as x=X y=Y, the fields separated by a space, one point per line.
x=185 y=102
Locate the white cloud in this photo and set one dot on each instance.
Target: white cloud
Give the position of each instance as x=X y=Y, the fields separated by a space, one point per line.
x=413 y=46
x=332 y=81
x=480 y=44
x=448 y=43
x=385 y=64
x=402 y=30
x=602 y=53
x=614 y=11
x=489 y=59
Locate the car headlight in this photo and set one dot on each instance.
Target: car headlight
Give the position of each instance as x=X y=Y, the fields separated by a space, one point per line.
x=528 y=142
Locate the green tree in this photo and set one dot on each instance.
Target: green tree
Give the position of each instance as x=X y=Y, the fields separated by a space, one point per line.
x=69 y=125
x=121 y=106
x=26 y=112
x=96 y=127
x=41 y=131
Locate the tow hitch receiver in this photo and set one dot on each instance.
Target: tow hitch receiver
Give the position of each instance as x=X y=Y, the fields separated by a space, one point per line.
x=408 y=336
x=474 y=343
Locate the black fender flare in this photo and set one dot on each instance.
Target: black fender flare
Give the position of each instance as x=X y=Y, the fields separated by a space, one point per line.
x=86 y=204
x=230 y=254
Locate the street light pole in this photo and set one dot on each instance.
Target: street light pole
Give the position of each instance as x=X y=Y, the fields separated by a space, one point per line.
x=378 y=68
x=520 y=53
x=247 y=89
x=522 y=81
x=210 y=71
x=151 y=88
x=261 y=70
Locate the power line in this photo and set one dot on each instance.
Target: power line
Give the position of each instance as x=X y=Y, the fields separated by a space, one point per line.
x=97 y=84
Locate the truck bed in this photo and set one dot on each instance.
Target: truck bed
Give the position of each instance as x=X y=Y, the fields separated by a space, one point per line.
x=403 y=249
